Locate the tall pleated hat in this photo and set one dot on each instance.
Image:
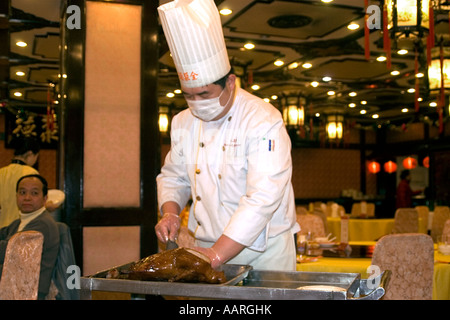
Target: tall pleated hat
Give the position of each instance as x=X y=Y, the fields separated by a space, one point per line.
x=193 y=31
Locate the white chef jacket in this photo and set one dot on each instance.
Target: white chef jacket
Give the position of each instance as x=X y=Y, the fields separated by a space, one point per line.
x=237 y=170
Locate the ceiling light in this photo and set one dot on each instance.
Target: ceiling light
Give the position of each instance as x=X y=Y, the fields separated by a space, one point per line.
x=420 y=99
x=20 y=73
x=255 y=87
x=170 y=95
x=307 y=65
x=18 y=94
x=21 y=44
x=249 y=46
x=226 y=12
x=395 y=72
x=326 y=79
x=331 y=93
x=363 y=111
x=419 y=75
x=381 y=58
x=364 y=102
x=353 y=26
x=274 y=97
x=353 y=94
x=326 y=1
x=433 y=104
x=317 y=114
x=279 y=63
x=177 y=91
x=314 y=84
x=411 y=90
x=375 y=116
x=402 y=51
x=266 y=100
x=293 y=65
x=352 y=105
x=404 y=110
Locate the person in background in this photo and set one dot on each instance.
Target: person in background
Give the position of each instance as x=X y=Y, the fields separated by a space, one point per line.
x=26 y=153
x=31 y=196
x=404 y=192
x=230 y=152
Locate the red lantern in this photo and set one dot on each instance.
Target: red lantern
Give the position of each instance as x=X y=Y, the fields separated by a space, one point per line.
x=409 y=163
x=374 y=167
x=390 y=166
x=426 y=162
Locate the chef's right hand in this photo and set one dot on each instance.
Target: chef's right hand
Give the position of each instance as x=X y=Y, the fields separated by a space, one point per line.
x=168 y=227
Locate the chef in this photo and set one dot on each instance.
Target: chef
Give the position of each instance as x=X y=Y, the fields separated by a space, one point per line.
x=230 y=153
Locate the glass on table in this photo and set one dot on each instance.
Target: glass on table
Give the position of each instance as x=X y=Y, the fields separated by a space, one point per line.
x=444 y=244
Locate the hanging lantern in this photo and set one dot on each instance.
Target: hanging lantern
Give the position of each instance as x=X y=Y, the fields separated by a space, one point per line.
x=408 y=16
x=409 y=163
x=434 y=70
x=335 y=126
x=426 y=162
x=390 y=167
x=294 y=111
x=163 y=122
x=373 y=167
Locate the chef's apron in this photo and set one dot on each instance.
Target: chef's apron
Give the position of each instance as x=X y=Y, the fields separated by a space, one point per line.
x=279 y=256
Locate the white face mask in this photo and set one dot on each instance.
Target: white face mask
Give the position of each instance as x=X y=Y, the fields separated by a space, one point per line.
x=207 y=109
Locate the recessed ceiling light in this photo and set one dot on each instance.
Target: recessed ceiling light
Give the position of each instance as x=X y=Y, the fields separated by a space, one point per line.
x=170 y=95
x=433 y=104
x=375 y=116
x=226 y=11
x=279 y=63
x=255 y=87
x=317 y=114
x=326 y=79
x=381 y=58
x=419 y=75
x=364 y=102
x=177 y=91
x=20 y=73
x=404 y=110
x=411 y=90
x=353 y=94
x=363 y=111
x=274 y=97
x=18 y=94
x=395 y=72
x=249 y=46
x=293 y=65
x=402 y=51
x=353 y=26
x=327 y=1
x=352 y=105
x=21 y=44
x=331 y=93
x=307 y=65
x=266 y=100
x=315 y=84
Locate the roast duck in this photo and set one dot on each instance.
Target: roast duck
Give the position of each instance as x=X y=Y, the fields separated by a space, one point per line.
x=176 y=265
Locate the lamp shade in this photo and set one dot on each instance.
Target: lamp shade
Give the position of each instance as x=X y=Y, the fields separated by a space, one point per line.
x=426 y=162
x=409 y=163
x=390 y=167
x=373 y=167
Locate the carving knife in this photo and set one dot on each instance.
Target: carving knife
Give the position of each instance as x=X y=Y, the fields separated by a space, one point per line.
x=171 y=245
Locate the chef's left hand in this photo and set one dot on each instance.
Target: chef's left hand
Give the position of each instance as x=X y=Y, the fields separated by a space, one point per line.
x=214 y=258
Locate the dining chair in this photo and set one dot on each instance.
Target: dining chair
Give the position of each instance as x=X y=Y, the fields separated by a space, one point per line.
x=440 y=216
x=358 y=209
x=446 y=229
x=301 y=210
x=21 y=267
x=311 y=223
x=59 y=290
x=424 y=213
x=410 y=258
x=322 y=215
x=406 y=220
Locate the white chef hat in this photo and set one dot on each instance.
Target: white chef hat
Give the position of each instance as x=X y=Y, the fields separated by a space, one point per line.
x=194 y=34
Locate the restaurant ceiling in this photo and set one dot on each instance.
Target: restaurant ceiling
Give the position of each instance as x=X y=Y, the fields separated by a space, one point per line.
x=292 y=31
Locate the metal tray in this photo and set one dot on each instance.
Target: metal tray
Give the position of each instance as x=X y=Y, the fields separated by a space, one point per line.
x=245 y=283
x=233 y=273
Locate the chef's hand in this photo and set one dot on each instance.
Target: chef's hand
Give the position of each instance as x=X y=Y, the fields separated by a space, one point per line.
x=214 y=258
x=168 y=227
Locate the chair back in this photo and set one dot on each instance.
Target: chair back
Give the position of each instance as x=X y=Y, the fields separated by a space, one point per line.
x=301 y=210
x=311 y=223
x=22 y=266
x=66 y=257
x=410 y=258
x=440 y=216
x=424 y=213
x=406 y=221
x=322 y=215
x=362 y=208
x=446 y=230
